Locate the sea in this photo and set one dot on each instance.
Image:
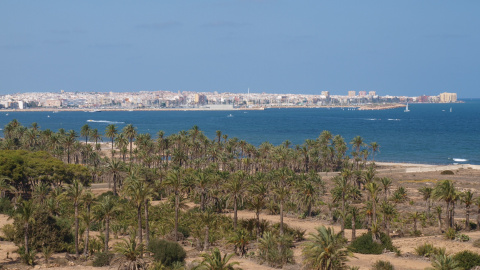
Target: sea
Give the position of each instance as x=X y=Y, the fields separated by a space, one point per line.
x=427 y=134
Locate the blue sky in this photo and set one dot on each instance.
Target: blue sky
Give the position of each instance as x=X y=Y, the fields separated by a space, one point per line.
x=392 y=47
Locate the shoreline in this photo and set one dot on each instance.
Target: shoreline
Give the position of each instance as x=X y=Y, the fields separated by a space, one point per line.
x=357 y=107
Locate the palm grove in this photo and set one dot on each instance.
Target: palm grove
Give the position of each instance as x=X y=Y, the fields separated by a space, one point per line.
x=193 y=181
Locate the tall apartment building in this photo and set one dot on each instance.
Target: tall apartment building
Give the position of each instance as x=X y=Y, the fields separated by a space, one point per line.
x=448 y=97
x=372 y=93
x=362 y=93
x=352 y=93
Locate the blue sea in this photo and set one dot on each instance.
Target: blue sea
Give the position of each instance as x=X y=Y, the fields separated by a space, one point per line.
x=429 y=133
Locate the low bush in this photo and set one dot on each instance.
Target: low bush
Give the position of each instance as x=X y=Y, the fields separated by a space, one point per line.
x=27 y=258
x=166 y=252
x=382 y=265
x=447 y=172
x=9 y=232
x=428 y=250
x=450 y=233
x=6 y=206
x=365 y=244
x=462 y=238
x=102 y=259
x=467 y=259
x=276 y=250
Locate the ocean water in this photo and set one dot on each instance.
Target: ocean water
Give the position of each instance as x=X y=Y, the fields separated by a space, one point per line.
x=429 y=133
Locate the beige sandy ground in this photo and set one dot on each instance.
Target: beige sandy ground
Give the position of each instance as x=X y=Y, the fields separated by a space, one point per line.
x=414 y=175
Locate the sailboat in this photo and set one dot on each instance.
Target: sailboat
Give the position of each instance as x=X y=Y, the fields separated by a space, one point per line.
x=406 y=108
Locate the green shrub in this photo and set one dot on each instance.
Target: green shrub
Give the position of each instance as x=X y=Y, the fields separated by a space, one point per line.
x=428 y=250
x=447 y=172
x=450 y=233
x=54 y=232
x=102 y=259
x=166 y=252
x=467 y=259
x=462 y=238
x=348 y=223
x=276 y=250
x=6 y=206
x=9 y=232
x=382 y=265
x=365 y=245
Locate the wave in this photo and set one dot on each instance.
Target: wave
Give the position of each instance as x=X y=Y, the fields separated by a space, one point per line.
x=393 y=119
x=372 y=119
x=460 y=159
x=105 y=121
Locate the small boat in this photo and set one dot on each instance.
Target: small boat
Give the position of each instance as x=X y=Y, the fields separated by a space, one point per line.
x=89 y=120
x=450 y=109
x=406 y=108
x=48 y=116
x=230 y=115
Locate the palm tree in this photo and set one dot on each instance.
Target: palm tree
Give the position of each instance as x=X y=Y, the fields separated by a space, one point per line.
x=85 y=131
x=130 y=132
x=445 y=190
x=111 y=132
x=340 y=193
x=258 y=192
x=374 y=146
x=355 y=213
x=215 y=261
x=325 y=250
x=175 y=182
x=88 y=199
x=373 y=190
x=389 y=212
x=467 y=199
x=415 y=216
x=131 y=251
x=235 y=189
x=427 y=193
x=105 y=210
x=24 y=212
x=95 y=136
x=477 y=203
x=114 y=167
x=74 y=193
x=386 y=184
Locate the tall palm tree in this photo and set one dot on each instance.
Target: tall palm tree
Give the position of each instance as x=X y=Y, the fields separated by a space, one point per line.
x=111 y=132
x=95 y=136
x=74 y=192
x=130 y=132
x=445 y=190
x=373 y=188
x=235 y=189
x=85 y=132
x=175 y=182
x=105 y=210
x=258 y=192
x=386 y=185
x=87 y=199
x=427 y=193
x=467 y=199
x=389 y=212
x=325 y=250
x=24 y=212
x=135 y=190
x=374 y=146
x=114 y=167
x=340 y=193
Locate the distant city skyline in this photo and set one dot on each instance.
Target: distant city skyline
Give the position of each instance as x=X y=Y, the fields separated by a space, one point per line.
x=405 y=48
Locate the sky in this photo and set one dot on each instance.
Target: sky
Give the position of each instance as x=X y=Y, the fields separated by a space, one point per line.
x=406 y=47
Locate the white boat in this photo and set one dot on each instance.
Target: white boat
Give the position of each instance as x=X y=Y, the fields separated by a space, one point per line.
x=406 y=108
x=450 y=109
x=230 y=115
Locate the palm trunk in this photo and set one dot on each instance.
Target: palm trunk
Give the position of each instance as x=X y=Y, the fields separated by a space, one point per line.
x=206 y=244
x=26 y=237
x=176 y=215
x=258 y=224
x=87 y=236
x=114 y=184
x=281 y=218
x=107 y=233
x=147 y=227
x=77 y=252
x=388 y=227
x=447 y=216
x=354 y=230
x=235 y=217
x=440 y=221
x=467 y=219
x=139 y=218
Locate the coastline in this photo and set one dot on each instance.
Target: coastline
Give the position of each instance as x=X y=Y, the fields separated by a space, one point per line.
x=357 y=107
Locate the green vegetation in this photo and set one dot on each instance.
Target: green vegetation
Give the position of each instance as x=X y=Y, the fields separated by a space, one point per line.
x=467 y=259
x=382 y=265
x=46 y=179
x=428 y=250
x=366 y=245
